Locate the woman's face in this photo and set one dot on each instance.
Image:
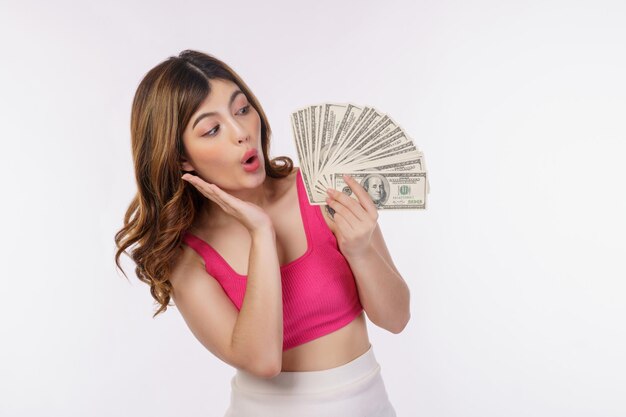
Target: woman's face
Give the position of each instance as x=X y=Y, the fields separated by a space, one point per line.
x=220 y=133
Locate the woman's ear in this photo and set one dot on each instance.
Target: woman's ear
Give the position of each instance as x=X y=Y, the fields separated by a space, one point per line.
x=185 y=165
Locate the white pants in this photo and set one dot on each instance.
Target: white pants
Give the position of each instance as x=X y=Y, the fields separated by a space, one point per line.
x=355 y=389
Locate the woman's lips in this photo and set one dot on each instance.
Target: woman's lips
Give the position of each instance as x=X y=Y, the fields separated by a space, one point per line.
x=252 y=166
x=251 y=161
x=248 y=154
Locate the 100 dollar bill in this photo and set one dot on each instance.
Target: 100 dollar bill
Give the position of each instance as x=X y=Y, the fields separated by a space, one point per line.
x=388 y=190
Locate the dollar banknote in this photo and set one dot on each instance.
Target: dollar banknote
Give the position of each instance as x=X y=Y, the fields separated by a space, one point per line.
x=388 y=190
x=350 y=138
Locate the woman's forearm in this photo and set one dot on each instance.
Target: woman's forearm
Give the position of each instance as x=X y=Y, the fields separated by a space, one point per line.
x=384 y=294
x=258 y=333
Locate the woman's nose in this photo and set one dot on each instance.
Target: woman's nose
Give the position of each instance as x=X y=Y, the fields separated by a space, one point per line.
x=241 y=134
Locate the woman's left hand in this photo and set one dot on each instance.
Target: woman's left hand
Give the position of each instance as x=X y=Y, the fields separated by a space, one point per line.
x=355 y=220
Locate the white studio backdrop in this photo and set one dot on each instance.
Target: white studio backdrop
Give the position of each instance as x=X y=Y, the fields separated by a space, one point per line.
x=516 y=269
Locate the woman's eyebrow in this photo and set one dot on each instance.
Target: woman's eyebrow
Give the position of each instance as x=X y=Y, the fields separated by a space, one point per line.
x=211 y=113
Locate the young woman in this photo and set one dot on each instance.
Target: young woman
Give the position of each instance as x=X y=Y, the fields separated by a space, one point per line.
x=268 y=283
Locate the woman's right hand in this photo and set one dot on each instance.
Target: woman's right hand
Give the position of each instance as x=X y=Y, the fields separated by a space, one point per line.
x=253 y=217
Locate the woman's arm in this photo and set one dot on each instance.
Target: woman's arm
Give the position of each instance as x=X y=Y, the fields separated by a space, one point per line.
x=258 y=332
x=212 y=317
x=257 y=338
x=383 y=292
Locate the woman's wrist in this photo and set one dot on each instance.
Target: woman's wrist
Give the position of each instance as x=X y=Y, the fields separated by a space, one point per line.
x=263 y=232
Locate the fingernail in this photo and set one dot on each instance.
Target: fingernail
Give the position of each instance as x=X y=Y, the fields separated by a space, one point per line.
x=330 y=191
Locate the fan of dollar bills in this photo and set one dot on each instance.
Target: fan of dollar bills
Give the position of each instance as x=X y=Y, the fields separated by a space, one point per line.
x=360 y=141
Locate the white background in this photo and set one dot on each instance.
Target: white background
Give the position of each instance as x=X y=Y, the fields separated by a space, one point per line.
x=516 y=269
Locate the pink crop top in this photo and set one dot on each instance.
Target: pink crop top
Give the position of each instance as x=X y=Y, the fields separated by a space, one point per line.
x=319 y=291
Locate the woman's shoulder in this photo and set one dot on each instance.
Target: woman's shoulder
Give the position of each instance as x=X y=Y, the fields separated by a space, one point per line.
x=293 y=179
x=283 y=185
x=294 y=172
x=292 y=184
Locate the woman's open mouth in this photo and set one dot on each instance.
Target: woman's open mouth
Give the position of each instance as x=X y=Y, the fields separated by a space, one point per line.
x=251 y=161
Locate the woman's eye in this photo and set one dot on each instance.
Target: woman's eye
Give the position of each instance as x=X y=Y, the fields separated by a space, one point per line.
x=247 y=110
x=208 y=133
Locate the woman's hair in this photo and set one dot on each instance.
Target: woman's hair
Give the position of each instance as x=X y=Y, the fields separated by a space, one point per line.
x=165 y=205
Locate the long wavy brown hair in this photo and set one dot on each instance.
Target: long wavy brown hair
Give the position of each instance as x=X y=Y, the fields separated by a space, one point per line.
x=165 y=205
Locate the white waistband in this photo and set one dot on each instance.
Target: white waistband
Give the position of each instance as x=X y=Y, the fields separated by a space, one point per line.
x=310 y=381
